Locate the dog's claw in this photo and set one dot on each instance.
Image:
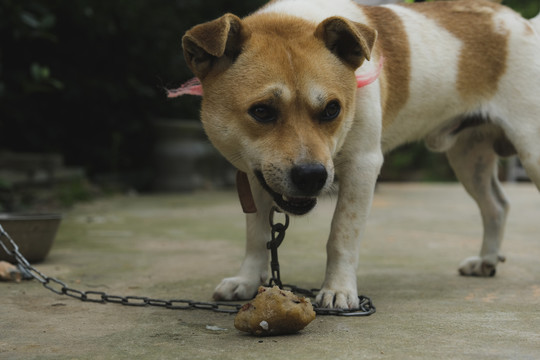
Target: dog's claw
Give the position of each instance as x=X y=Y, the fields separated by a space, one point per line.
x=331 y=299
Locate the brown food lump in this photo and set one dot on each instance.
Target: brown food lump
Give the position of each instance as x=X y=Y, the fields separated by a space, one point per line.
x=274 y=312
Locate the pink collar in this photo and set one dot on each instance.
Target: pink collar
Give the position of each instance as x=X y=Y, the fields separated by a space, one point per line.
x=194 y=87
x=190 y=87
x=370 y=77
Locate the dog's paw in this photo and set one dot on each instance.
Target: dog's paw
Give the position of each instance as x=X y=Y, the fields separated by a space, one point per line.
x=478 y=266
x=236 y=288
x=338 y=299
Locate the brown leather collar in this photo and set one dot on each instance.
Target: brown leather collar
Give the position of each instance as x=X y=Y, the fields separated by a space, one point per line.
x=244 y=193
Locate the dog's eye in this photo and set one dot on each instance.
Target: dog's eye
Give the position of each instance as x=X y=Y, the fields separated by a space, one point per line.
x=263 y=113
x=331 y=111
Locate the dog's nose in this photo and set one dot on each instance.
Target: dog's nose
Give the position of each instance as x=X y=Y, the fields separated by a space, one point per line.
x=309 y=178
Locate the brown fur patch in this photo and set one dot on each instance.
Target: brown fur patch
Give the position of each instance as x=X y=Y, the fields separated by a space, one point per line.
x=482 y=60
x=392 y=44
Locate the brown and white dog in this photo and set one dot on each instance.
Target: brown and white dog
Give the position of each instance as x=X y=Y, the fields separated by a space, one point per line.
x=283 y=103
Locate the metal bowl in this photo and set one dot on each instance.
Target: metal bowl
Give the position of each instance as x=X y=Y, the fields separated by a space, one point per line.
x=34 y=234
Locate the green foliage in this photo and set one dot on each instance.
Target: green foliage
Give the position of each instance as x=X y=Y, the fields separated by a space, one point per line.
x=73 y=192
x=527 y=8
x=413 y=162
x=5 y=185
x=86 y=78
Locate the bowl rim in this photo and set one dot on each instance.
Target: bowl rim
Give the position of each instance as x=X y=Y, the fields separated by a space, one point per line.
x=26 y=217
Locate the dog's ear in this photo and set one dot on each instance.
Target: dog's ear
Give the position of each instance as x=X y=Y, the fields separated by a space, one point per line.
x=350 y=41
x=213 y=43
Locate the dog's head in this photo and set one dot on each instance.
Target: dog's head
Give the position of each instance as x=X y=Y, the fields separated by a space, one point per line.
x=279 y=96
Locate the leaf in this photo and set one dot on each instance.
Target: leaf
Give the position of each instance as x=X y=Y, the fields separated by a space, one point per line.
x=39 y=72
x=30 y=20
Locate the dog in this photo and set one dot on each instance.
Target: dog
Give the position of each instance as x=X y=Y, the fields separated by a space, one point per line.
x=304 y=92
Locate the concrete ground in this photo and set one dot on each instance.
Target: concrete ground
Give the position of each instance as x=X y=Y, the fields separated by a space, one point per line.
x=180 y=246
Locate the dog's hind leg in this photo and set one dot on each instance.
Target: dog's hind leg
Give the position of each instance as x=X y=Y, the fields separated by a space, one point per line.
x=474 y=160
x=532 y=167
x=524 y=135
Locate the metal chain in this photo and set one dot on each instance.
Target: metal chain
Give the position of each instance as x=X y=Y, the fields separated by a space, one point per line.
x=365 y=307
x=277 y=231
x=61 y=288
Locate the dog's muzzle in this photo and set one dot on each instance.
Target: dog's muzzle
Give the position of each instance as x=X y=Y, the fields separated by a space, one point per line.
x=308 y=180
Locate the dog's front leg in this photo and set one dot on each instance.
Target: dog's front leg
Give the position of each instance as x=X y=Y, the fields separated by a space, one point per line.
x=356 y=185
x=254 y=269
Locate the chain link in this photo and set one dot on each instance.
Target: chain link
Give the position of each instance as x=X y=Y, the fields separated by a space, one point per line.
x=278 y=234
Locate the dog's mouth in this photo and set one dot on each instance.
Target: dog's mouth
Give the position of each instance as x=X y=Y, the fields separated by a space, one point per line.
x=291 y=205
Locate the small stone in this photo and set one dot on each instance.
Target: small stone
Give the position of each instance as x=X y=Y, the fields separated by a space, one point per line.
x=9 y=272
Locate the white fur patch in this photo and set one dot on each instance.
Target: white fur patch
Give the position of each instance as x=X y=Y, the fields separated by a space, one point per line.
x=430 y=47
x=315 y=10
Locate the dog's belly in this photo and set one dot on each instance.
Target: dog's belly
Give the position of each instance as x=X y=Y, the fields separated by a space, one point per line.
x=421 y=117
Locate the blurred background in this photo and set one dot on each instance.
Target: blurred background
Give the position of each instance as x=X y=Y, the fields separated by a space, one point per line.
x=83 y=109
